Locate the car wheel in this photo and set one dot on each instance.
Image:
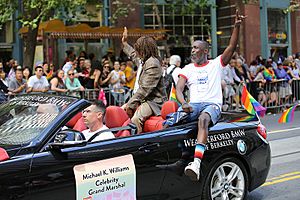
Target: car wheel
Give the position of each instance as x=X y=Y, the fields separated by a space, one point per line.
x=227 y=180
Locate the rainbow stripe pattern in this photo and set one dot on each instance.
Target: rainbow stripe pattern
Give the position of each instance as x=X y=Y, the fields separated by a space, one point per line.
x=199 y=151
x=288 y=115
x=245 y=119
x=269 y=75
x=173 y=95
x=251 y=105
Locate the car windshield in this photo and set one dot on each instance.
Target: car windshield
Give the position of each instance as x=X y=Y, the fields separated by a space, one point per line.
x=24 y=117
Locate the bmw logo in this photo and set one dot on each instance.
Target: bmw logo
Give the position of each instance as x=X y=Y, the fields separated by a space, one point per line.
x=242 y=147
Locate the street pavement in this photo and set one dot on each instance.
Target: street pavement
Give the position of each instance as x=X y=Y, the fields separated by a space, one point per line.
x=284 y=177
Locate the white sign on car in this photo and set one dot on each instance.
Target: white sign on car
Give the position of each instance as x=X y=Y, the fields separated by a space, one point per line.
x=113 y=178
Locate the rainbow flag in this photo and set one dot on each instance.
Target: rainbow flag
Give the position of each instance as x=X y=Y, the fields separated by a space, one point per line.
x=288 y=115
x=49 y=75
x=269 y=75
x=251 y=105
x=245 y=119
x=173 y=95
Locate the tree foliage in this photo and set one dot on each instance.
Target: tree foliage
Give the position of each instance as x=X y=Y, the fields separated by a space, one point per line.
x=31 y=12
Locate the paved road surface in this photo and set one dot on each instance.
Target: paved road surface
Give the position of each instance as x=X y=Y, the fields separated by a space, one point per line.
x=284 y=177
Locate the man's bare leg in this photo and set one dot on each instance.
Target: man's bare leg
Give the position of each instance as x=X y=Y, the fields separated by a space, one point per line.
x=193 y=169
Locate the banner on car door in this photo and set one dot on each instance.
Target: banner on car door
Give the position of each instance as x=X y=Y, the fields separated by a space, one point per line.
x=110 y=179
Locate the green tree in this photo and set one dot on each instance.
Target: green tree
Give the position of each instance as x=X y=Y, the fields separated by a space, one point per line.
x=32 y=12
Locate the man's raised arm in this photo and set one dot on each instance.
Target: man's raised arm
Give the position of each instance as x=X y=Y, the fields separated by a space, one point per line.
x=226 y=56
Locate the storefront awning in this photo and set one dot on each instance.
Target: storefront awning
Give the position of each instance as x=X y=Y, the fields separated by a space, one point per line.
x=57 y=30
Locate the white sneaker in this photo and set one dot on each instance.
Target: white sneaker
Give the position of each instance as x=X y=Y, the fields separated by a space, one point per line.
x=193 y=170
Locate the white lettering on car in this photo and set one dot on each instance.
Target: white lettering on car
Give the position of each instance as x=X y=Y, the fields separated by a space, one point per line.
x=219 y=140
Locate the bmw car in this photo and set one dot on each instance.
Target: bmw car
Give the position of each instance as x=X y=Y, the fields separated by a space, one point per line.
x=44 y=155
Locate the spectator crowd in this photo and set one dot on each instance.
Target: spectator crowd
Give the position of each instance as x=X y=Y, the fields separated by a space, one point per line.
x=272 y=82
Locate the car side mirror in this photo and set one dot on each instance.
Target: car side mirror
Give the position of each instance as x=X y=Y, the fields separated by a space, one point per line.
x=67 y=138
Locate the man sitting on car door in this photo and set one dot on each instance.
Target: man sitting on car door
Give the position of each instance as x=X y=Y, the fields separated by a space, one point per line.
x=93 y=118
x=203 y=77
x=151 y=94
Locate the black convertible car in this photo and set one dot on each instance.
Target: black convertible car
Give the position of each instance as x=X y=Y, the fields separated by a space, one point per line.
x=44 y=155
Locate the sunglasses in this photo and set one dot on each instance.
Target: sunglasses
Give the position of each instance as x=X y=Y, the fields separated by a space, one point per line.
x=72 y=74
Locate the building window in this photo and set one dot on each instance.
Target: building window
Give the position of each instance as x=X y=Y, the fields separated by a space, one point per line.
x=277 y=26
x=183 y=28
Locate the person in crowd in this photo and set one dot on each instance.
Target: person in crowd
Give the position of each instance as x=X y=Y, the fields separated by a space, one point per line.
x=293 y=70
x=26 y=73
x=151 y=94
x=2 y=73
x=18 y=85
x=93 y=118
x=175 y=62
x=285 y=90
x=269 y=73
x=110 y=57
x=70 y=56
x=253 y=69
x=237 y=55
x=73 y=84
x=122 y=69
x=260 y=60
x=92 y=75
x=68 y=65
x=105 y=75
x=203 y=78
x=82 y=54
x=130 y=74
x=116 y=81
x=297 y=60
x=8 y=66
x=38 y=82
x=80 y=65
x=86 y=75
x=57 y=82
x=271 y=92
x=47 y=72
x=12 y=71
x=241 y=71
x=259 y=78
x=237 y=83
x=272 y=62
x=228 y=85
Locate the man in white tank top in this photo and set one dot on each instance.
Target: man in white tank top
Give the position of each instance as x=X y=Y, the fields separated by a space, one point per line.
x=203 y=77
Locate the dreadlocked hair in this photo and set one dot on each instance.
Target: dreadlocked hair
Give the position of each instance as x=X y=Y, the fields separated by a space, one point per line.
x=146 y=48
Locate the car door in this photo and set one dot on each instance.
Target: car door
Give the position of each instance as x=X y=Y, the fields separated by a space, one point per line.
x=52 y=177
x=180 y=151
x=14 y=183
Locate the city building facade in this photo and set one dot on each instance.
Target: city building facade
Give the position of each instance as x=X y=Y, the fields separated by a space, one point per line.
x=267 y=31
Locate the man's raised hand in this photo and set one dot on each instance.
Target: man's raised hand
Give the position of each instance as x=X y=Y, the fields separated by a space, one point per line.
x=125 y=35
x=239 y=18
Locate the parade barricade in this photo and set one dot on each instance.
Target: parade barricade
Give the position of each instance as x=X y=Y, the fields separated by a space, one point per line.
x=107 y=95
x=274 y=95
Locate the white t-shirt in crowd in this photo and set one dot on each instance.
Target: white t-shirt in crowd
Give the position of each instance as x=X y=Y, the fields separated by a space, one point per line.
x=175 y=73
x=136 y=84
x=103 y=136
x=67 y=67
x=36 y=83
x=204 y=81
